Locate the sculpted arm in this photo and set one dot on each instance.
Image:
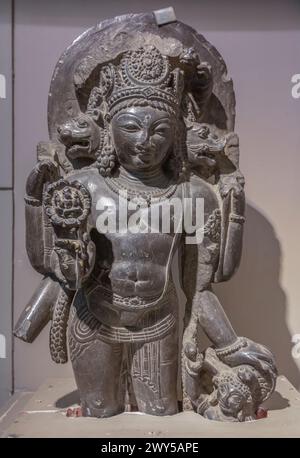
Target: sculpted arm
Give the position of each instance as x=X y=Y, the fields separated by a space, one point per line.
x=232 y=201
x=68 y=204
x=45 y=171
x=245 y=361
x=233 y=212
x=204 y=310
x=203 y=307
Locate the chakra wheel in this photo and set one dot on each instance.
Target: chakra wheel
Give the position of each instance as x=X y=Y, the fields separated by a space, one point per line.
x=67 y=204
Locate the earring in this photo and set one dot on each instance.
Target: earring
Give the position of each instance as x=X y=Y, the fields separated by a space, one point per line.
x=181 y=167
x=106 y=157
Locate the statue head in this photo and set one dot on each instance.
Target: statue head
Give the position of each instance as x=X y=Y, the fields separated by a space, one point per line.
x=234 y=397
x=81 y=137
x=203 y=145
x=139 y=98
x=143 y=137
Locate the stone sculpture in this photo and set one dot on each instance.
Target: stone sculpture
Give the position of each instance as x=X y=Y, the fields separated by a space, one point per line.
x=140 y=114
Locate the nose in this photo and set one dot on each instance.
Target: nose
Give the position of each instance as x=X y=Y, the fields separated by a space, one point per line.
x=144 y=138
x=64 y=133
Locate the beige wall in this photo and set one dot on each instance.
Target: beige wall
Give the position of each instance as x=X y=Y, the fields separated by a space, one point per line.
x=260 y=42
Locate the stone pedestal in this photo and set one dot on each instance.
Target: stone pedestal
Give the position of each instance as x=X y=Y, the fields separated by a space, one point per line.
x=43 y=414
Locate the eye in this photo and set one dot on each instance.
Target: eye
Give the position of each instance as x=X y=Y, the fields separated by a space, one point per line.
x=130 y=127
x=204 y=132
x=161 y=130
x=82 y=123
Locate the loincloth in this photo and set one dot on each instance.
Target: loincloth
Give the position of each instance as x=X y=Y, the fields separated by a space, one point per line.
x=155 y=324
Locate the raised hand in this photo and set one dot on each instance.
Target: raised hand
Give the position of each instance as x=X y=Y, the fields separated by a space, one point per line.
x=233 y=182
x=44 y=172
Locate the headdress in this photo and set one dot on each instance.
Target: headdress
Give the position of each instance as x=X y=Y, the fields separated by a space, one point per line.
x=144 y=77
x=141 y=77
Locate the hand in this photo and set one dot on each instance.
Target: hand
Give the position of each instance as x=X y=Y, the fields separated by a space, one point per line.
x=252 y=354
x=76 y=259
x=44 y=171
x=193 y=359
x=233 y=182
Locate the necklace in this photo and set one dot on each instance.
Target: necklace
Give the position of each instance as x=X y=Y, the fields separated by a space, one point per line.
x=149 y=196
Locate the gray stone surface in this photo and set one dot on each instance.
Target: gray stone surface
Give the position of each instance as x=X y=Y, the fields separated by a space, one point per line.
x=123 y=101
x=269 y=256
x=44 y=415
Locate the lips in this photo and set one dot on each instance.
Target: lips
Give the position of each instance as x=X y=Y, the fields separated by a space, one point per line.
x=144 y=157
x=142 y=150
x=143 y=154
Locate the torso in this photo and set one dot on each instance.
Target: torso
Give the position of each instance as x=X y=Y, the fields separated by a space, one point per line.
x=129 y=265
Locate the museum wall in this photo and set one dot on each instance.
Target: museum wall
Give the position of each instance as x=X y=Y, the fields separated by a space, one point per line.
x=6 y=202
x=260 y=42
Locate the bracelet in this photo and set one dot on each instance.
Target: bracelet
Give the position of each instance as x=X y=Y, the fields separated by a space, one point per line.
x=32 y=201
x=240 y=343
x=234 y=218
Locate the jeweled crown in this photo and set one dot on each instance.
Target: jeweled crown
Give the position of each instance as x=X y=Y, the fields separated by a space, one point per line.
x=141 y=77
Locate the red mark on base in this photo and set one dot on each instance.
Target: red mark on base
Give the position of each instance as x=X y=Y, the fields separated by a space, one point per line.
x=75 y=412
x=261 y=413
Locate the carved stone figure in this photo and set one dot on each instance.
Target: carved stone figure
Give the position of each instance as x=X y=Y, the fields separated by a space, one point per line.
x=141 y=117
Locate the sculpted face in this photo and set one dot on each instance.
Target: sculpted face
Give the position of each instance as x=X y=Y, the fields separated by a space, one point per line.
x=143 y=137
x=81 y=136
x=230 y=399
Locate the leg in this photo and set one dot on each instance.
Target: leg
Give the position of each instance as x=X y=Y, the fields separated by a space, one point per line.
x=97 y=366
x=154 y=375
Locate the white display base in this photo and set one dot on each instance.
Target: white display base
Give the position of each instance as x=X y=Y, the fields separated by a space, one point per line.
x=43 y=414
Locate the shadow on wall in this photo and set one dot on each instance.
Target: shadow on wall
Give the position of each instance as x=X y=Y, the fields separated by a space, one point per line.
x=254 y=300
